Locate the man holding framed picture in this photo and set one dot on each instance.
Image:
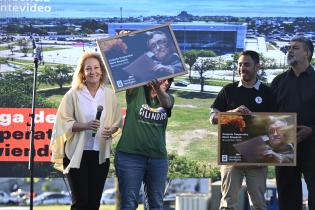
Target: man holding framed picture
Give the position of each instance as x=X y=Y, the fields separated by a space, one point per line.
x=246 y=96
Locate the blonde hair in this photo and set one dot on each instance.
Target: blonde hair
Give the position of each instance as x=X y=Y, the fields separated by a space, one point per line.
x=78 y=76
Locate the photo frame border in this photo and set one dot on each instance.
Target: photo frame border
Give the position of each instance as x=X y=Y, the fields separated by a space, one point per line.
x=133 y=33
x=219 y=162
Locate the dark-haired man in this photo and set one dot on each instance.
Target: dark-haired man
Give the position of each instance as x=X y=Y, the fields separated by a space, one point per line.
x=246 y=96
x=295 y=92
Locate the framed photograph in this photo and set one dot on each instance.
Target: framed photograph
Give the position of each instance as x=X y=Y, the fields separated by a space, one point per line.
x=135 y=58
x=257 y=139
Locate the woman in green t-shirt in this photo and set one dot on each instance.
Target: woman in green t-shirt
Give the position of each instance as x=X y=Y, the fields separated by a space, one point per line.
x=141 y=151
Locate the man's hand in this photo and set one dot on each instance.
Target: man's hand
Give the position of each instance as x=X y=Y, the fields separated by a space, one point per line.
x=116 y=44
x=241 y=109
x=303 y=132
x=274 y=156
x=163 y=68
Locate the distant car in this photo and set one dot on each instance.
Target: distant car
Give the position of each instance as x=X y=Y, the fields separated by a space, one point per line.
x=182 y=83
x=6 y=198
x=48 y=198
x=108 y=196
x=21 y=195
x=169 y=197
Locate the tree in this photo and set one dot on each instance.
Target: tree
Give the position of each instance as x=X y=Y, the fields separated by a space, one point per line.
x=60 y=74
x=16 y=91
x=46 y=75
x=236 y=56
x=11 y=47
x=203 y=65
x=265 y=63
x=206 y=53
x=190 y=57
x=23 y=44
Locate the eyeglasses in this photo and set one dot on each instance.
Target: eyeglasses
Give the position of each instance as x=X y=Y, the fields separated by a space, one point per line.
x=158 y=43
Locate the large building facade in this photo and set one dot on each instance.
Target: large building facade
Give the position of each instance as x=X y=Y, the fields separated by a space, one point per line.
x=220 y=37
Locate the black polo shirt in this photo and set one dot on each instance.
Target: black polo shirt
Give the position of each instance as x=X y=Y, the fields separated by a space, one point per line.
x=297 y=94
x=233 y=96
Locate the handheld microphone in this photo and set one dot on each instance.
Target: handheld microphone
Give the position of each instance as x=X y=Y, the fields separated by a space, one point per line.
x=98 y=117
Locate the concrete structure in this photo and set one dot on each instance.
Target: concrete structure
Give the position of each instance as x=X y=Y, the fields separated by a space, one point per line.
x=220 y=37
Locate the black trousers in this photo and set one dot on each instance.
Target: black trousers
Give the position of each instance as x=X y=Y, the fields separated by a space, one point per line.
x=87 y=182
x=289 y=187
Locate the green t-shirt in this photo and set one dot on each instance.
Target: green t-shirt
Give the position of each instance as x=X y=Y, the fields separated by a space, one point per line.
x=145 y=125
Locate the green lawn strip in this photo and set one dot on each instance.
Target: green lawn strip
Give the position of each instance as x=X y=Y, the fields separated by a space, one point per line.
x=46 y=49
x=188 y=118
x=53 y=94
x=215 y=82
x=43 y=87
x=204 y=150
x=27 y=62
x=55 y=99
x=3 y=48
x=200 y=149
x=190 y=112
x=20 y=62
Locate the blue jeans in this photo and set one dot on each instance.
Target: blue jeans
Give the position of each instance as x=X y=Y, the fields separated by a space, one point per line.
x=131 y=171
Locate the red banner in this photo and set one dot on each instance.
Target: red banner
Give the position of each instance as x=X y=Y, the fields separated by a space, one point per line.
x=15 y=135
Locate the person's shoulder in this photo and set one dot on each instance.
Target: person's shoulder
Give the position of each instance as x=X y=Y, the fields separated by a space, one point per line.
x=136 y=90
x=71 y=92
x=230 y=86
x=171 y=96
x=311 y=71
x=265 y=89
x=70 y=96
x=264 y=86
x=280 y=76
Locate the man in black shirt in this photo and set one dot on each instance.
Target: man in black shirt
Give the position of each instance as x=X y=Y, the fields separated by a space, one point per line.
x=245 y=96
x=295 y=92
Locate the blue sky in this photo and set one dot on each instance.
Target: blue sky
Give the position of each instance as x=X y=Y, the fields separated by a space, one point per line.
x=136 y=8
